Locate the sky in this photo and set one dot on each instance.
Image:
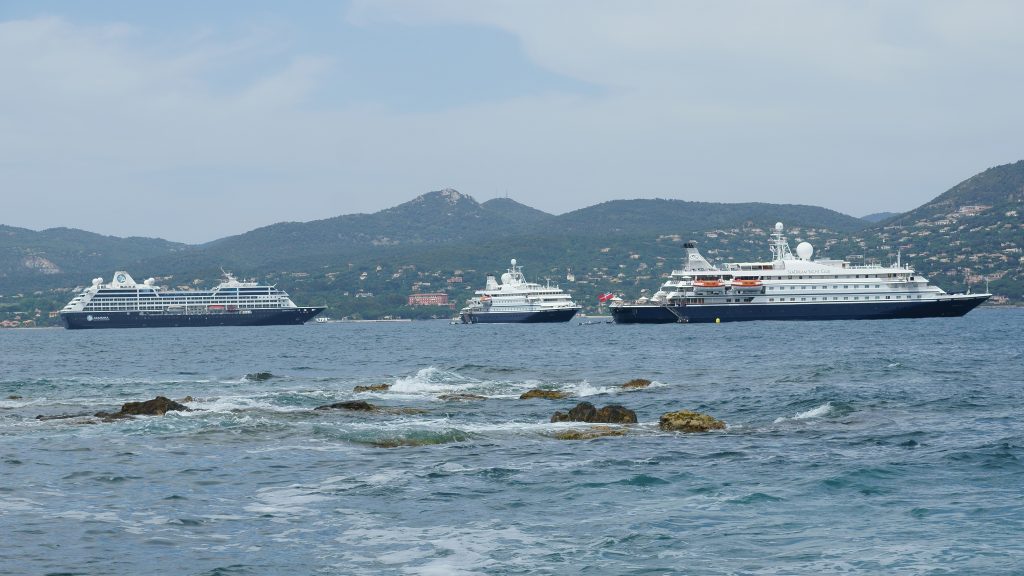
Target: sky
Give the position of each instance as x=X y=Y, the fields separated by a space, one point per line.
x=192 y=121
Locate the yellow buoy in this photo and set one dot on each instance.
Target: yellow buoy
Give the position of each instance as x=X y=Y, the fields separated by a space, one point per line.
x=718 y=320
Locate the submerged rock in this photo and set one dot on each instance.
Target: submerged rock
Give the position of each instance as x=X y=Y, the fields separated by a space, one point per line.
x=14 y=397
x=586 y=412
x=689 y=421
x=637 y=383
x=187 y=399
x=401 y=410
x=590 y=433
x=44 y=417
x=372 y=388
x=349 y=405
x=546 y=394
x=259 y=376
x=461 y=397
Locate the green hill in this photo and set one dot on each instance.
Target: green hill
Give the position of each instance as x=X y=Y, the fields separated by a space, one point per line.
x=367 y=264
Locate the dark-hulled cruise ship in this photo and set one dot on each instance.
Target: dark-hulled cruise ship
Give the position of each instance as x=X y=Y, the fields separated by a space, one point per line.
x=124 y=304
x=792 y=287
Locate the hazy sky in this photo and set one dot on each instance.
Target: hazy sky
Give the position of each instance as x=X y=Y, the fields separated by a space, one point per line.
x=196 y=120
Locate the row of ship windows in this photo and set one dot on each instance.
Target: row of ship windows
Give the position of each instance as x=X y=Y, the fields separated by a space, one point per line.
x=167 y=300
x=908 y=297
x=123 y=308
x=835 y=287
x=846 y=277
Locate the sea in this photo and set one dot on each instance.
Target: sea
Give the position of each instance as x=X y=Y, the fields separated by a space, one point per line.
x=859 y=447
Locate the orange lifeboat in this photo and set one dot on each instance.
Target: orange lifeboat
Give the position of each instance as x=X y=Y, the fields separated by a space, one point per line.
x=707 y=283
x=746 y=283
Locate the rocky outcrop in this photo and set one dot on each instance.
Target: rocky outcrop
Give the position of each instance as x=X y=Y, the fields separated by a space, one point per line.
x=590 y=433
x=586 y=412
x=259 y=376
x=689 y=421
x=358 y=405
x=156 y=407
x=546 y=394
x=361 y=406
x=372 y=388
x=637 y=383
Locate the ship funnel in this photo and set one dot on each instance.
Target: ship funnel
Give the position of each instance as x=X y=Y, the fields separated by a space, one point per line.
x=492 y=283
x=694 y=259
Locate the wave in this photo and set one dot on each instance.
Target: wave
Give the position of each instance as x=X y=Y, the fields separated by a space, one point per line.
x=816 y=412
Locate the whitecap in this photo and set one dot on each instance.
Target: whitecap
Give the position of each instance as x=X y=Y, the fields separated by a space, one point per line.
x=432 y=380
x=817 y=412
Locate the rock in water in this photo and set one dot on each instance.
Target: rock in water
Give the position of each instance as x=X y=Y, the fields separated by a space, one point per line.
x=689 y=421
x=586 y=412
x=155 y=407
x=547 y=394
x=259 y=376
x=637 y=383
x=372 y=388
x=350 y=405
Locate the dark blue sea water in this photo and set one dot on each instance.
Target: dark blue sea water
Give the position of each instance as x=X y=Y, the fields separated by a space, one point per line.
x=855 y=447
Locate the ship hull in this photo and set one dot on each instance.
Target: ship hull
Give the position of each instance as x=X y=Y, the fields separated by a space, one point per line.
x=559 y=315
x=260 y=317
x=643 y=314
x=943 y=307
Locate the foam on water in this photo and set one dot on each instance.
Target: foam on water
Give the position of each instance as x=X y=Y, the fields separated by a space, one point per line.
x=817 y=412
x=432 y=381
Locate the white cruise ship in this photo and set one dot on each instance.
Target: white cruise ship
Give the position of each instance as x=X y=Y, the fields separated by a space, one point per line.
x=516 y=300
x=792 y=287
x=122 y=303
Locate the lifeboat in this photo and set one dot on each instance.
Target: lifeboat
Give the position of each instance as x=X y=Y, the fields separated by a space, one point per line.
x=707 y=283
x=746 y=283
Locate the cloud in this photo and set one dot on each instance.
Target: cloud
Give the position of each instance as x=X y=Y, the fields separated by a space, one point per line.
x=198 y=134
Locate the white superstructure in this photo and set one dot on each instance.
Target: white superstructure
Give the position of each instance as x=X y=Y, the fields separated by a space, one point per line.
x=122 y=294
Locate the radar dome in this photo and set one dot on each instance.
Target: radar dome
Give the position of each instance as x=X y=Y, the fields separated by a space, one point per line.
x=778 y=226
x=150 y=281
x=513 y=261
x=506 y=278
x=804 y=250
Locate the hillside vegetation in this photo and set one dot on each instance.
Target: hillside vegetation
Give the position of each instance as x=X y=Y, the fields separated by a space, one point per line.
x=367 y=264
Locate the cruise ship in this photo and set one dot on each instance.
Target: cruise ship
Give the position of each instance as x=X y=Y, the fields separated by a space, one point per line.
x=516 y=300
x=122 y=303
x=792 y=287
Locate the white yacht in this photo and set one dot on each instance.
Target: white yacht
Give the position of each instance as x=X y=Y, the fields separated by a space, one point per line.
x=793 y=287
x=516 y=300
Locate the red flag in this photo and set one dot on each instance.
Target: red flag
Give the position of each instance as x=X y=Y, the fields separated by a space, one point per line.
x=605 y=297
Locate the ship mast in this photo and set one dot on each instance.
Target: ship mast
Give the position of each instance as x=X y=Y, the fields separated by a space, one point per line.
x=779 y=246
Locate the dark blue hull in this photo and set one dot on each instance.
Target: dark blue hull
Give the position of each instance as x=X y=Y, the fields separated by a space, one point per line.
x=947 y=307
x=273 y=317
x=561 y=315
x=643 y=314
